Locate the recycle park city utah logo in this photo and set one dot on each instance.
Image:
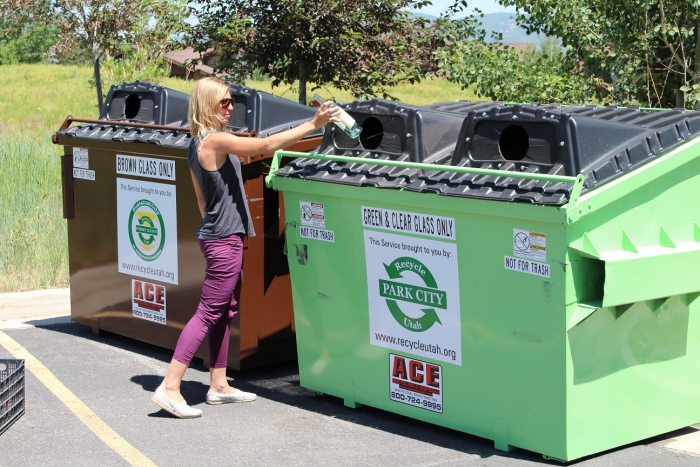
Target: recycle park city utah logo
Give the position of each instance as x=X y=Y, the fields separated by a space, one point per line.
x=429 y=296
x=147 y=223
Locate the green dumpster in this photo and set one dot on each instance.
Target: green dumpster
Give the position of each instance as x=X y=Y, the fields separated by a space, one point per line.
x=526 y=274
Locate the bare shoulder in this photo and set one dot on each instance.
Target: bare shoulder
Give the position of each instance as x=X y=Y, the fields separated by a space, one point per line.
x=213 y=150
x=222 y=141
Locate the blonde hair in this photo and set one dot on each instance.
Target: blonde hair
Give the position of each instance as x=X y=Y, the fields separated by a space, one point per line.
x=201 y=115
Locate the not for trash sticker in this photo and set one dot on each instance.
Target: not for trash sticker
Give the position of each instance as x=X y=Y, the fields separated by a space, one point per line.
x=527 y=266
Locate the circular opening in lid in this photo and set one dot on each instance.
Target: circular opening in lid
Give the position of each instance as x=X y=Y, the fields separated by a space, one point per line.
x=132 y=105
x=372 y=133
x=514 y=143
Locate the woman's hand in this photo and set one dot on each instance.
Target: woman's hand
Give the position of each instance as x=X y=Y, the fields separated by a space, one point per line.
x=325 y=114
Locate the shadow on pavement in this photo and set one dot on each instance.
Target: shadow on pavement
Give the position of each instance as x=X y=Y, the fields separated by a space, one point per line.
x=280 y=383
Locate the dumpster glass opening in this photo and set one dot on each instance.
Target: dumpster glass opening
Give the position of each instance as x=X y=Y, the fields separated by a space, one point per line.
x=132 y=105
x=238 y=115
x=372 y=133
x=514 y=143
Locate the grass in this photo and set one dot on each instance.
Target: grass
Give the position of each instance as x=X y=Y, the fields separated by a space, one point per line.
x=34 y=249
x=34 y=101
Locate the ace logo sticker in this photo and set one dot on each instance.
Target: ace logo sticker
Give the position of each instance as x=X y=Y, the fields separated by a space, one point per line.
x=413 y=295
x=148 y=301
x=415 y=383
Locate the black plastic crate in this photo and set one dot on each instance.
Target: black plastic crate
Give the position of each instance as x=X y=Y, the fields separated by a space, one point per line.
x=11 y=392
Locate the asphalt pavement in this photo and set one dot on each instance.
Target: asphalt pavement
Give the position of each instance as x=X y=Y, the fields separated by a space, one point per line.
x=88 y=403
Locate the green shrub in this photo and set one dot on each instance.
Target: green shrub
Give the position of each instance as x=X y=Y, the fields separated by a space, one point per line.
x=34 y=45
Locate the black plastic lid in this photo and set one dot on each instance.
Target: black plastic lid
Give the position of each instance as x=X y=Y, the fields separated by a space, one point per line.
x=126 y=134
x=143 y=102
x=265 y=113
x=602 y=143
x=390 y=131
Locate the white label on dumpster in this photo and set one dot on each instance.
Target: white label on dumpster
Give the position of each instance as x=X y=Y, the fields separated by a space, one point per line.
x=529 y=244
x=80 y=158
x=527 y=266
x=148 y=301
x=148 y=167
x=312 y=214
x=409 y=222
x=84 y=174
x=147 y=229
x=317 y=234
x=415 y=383
x=413 y=295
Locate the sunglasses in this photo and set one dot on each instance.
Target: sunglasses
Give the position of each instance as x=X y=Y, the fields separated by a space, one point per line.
x=226 y=102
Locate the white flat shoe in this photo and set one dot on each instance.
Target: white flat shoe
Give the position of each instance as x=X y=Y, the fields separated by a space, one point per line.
x=181 y=410
x=216 y=398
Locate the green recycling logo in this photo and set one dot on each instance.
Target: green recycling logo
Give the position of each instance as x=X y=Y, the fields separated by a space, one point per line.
x=429 y=296
x=146 y=222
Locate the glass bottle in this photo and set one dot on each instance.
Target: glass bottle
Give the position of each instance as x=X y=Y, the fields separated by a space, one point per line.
x=346 y=123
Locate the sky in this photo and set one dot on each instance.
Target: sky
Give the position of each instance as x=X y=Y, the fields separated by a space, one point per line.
x=486 y=6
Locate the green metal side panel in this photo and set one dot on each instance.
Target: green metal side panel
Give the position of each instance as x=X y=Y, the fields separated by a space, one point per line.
x=633 y=326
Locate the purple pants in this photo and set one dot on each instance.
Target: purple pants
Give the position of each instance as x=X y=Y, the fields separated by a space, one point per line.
x=221 y=293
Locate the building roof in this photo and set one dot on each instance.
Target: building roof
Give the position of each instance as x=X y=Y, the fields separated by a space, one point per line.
x=183 y=58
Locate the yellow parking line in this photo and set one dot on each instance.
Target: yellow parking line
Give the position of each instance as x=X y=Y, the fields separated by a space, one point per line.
x=110 y=437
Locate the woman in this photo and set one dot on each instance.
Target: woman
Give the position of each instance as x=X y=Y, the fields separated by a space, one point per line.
x=226 y=221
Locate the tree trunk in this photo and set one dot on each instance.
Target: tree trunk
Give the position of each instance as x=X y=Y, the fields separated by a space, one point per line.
x=680 y=99
x=96 y=72
x=303 y=73
x=680 y=95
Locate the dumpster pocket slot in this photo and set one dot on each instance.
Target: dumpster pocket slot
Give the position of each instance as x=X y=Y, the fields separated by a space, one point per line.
x=651 y=273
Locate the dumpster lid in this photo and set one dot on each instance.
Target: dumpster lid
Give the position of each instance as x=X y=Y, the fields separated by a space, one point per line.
x=601 y=143
x=132 y=109
x=390 y=131
x=265 y=113
x=144 y=102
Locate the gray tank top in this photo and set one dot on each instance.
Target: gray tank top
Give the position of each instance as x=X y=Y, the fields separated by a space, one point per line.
x=226 y=211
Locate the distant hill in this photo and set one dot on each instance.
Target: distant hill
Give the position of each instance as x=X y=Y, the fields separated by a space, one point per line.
x=505 y=24
x=499 y=22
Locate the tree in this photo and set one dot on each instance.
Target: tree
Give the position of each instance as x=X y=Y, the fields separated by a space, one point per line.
x=32 y=45
x=551 y=48
x=356 y=45
x=498 y=71
x=102 y=26
x=151 y=38
x=647 y=51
